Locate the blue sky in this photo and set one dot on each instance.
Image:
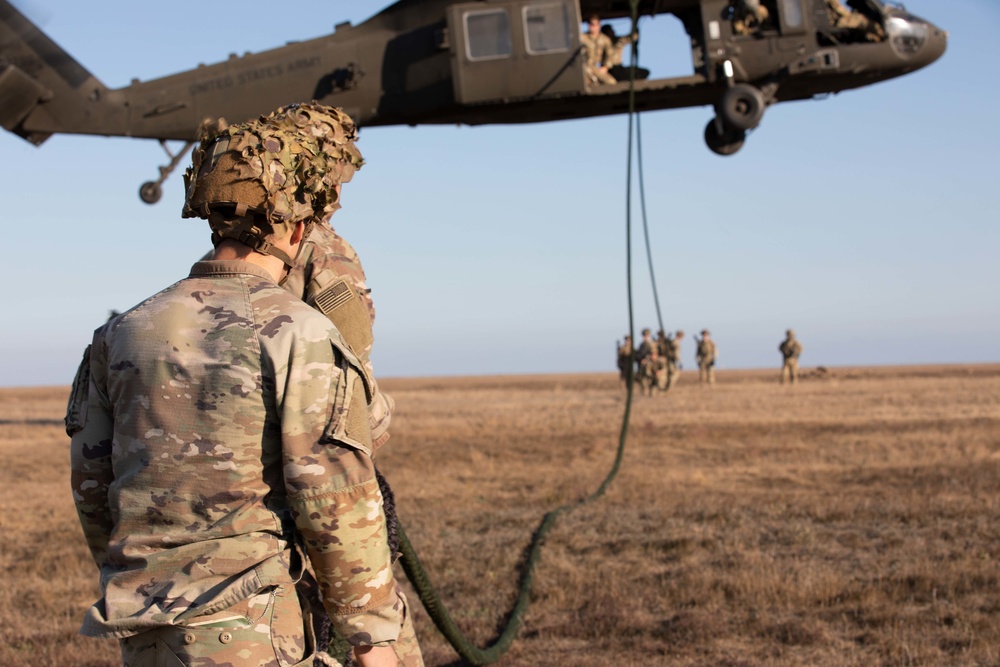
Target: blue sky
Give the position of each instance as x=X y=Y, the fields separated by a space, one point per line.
x=866 y=221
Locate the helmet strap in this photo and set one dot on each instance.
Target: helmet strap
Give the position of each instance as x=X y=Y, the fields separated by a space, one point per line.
x=252 y=236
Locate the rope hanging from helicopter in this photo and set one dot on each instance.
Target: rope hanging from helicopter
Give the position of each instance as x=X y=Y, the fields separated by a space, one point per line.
x=412 y=566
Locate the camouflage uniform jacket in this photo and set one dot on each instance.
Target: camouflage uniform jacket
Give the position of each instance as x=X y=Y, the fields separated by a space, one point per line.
x=645 y=349
x=597 y=51
x=213 y=426
x=617 y=53
x=624 y=355
x=790 y=348
x=706 y=352
x=672 y=349
x=326 y=265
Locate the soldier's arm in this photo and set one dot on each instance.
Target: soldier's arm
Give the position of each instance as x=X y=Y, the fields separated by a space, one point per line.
x=90 y=425
x=334 y=283
x=333 y=493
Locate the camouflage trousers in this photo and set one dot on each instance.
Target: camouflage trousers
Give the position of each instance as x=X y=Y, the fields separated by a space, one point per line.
x=790 y=371
x=706 y=373
x=595 y=76
x=265 y=630
x=673 y=374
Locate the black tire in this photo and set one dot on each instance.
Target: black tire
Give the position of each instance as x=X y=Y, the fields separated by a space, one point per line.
x=727 y=143
x=150 y=192
x=742 y=106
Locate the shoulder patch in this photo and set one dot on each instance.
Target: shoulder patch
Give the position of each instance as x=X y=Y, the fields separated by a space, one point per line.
x=342 y=305
x=333 y=297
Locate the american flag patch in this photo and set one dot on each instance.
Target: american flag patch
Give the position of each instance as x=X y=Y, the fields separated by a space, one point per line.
x=334 y=297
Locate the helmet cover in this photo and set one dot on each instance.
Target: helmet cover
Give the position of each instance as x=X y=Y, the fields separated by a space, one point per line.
x=283 y=166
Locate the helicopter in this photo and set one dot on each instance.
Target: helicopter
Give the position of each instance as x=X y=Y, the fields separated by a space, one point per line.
x=483 y=62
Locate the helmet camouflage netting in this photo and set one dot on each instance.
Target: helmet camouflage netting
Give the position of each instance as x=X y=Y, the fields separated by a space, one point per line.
x=284 y=166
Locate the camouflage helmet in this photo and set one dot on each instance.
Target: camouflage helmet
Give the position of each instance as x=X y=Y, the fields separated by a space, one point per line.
x=254 y=178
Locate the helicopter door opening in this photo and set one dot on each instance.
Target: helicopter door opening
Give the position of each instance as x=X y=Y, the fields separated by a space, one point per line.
x=753 y=19
x=518 y=49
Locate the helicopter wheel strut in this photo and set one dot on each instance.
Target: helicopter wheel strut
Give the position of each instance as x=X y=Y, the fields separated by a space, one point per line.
x=151 y=191
x=722 y=138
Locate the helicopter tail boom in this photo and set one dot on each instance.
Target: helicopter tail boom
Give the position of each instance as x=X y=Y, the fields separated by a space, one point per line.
x=42 y=88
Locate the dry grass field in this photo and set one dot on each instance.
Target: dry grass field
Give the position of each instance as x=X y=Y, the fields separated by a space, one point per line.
x=853 y=520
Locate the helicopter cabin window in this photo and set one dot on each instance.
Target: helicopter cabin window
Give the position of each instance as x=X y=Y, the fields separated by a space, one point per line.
x=791 y=14
x=547 y=28
x=487 y=35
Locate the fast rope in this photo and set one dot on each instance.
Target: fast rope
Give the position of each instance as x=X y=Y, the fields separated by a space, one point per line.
x=411 y=562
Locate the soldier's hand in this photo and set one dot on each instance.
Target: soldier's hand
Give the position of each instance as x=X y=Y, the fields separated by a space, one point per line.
x=375 y=656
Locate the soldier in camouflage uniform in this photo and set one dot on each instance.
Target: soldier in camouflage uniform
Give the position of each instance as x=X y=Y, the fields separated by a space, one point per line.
x=790 y=349
x=597 y=53
x=624 y=361
x=652 y=377
x=672 y=353
x=661 y=345
x=327 y=274
x=642 y=354
x=220 y=429
x=618 y=44
x=706 y=355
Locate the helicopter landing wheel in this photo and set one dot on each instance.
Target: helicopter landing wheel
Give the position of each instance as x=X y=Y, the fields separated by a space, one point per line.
x=728 y=142
x=742 y=106
x=150 y=192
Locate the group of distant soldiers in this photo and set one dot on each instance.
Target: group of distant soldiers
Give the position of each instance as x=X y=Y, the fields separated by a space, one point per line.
x=657 y=361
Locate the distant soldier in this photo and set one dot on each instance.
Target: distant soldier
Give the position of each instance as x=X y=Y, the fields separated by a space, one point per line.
x=597 y=51
x=661 y=343
x=706 y=355
x=660 y=371
x=624 y=361
x=645 y=347
x=672 y=354
x=790 y=349
x=653 y=376
x=642 y=355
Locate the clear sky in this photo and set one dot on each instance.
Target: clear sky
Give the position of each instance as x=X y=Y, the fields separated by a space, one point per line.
x=867 y=221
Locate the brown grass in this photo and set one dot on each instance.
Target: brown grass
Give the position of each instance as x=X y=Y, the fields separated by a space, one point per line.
x=853 y=520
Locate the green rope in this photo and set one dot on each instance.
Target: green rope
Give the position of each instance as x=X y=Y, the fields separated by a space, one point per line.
x=409 y=559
